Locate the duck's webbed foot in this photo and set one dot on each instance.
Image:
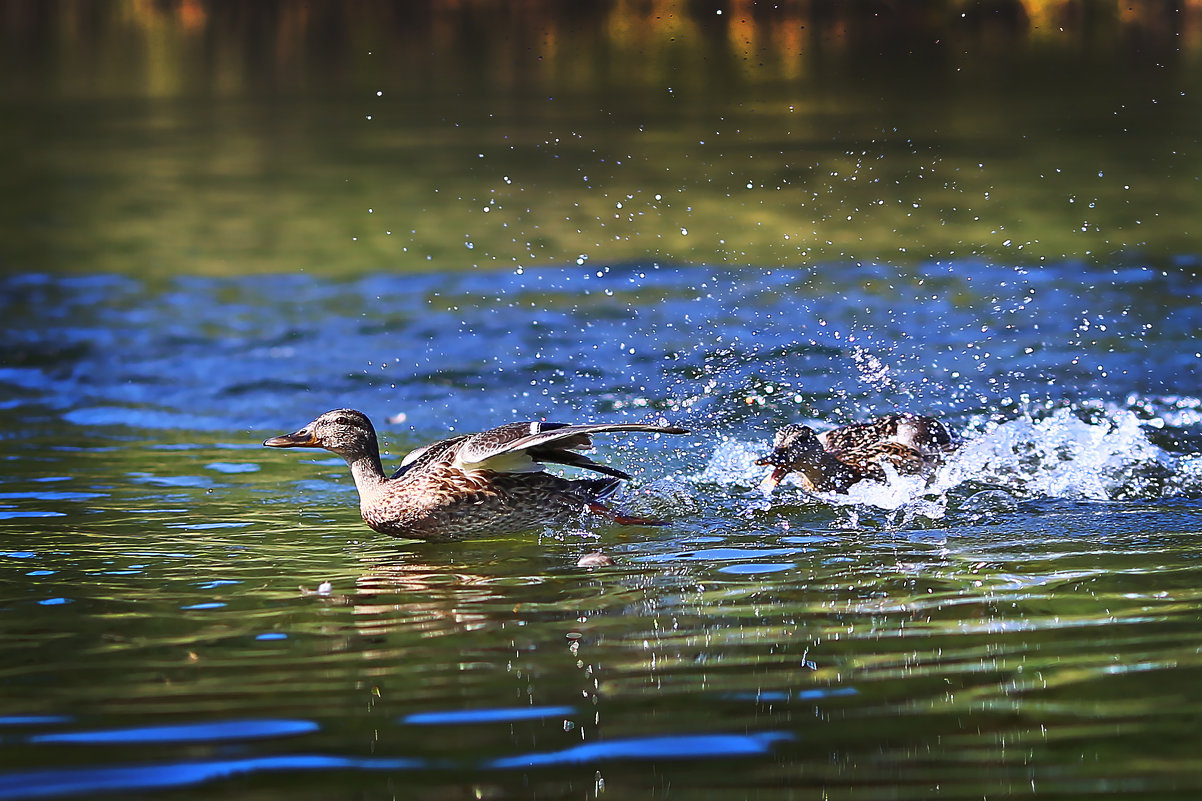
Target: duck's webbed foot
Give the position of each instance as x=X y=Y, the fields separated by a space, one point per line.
x=623 y=519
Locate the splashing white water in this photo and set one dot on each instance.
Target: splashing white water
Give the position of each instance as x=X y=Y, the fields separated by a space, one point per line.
x=733 y=463
x=1060 y=455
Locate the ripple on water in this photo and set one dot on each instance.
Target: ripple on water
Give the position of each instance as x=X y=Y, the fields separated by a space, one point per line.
x=1044 y=581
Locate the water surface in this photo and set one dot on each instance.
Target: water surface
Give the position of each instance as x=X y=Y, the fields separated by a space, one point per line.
x=219 y=220
x=185 y=610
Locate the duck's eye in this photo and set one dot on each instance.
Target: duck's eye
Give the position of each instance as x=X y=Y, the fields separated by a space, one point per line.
x=342 y=421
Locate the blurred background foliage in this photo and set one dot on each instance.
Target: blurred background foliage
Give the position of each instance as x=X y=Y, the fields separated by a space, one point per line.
x=184 y=136
x=230 y=49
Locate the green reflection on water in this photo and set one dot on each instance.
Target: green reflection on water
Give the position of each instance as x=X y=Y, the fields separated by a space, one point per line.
x=976 y=657
x=160 y=143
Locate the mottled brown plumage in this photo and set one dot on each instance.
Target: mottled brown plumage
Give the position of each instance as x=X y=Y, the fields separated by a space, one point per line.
x=837 y=459
x=471 y=485
x=924 y=434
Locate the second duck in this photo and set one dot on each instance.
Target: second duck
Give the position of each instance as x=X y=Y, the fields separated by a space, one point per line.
x=835 y=460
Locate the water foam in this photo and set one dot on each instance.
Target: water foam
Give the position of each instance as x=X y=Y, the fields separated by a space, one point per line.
x=1062 y=455
x=1089 y=452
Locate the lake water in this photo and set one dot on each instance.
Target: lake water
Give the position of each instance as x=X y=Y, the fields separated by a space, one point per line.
x=1029 y=619
x=186 y=614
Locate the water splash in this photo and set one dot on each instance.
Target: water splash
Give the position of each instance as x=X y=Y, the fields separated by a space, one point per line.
x=1077 y=453
x=874 y=372
x=1090 y=451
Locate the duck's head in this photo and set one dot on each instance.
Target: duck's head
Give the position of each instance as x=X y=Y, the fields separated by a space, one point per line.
x=346 y=432
x=794 y=448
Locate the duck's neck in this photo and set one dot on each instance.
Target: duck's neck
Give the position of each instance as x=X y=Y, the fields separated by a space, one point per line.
x=812 y=472
x=366 y=468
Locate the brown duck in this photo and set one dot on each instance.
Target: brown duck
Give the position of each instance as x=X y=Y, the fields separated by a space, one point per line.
x=472 y=485
x=835 y=460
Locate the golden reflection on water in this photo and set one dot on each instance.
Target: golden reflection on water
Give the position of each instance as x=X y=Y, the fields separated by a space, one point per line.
x=367 y=137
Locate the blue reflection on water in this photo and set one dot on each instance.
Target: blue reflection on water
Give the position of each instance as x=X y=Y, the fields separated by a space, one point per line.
x=10 y=515
x=141 y=418
x=33 y=720
x=50 y=496
x=214 y=731
x=686 y=746
x=171 y=481
x=752 y=569
x=719 y=554
x=774 y=696
x=944 y=336
x=73 y=781
x=232 y=467
x=487 y=715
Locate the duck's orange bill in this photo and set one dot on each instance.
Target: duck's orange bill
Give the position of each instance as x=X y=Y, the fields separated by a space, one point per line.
x=301 y=439
x=772 y=479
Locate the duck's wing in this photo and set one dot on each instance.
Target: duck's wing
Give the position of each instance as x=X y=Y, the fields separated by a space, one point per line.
x=426 y=454
x=524 y=447
x=925 y=434
x=869 y=458
x=860 y=435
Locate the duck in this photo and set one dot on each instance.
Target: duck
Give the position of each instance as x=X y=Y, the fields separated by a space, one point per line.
x=835 y=460
x=473 y=485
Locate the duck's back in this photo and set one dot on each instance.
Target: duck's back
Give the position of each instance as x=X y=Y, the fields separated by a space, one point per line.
x=869 y=460
x=923 y=434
